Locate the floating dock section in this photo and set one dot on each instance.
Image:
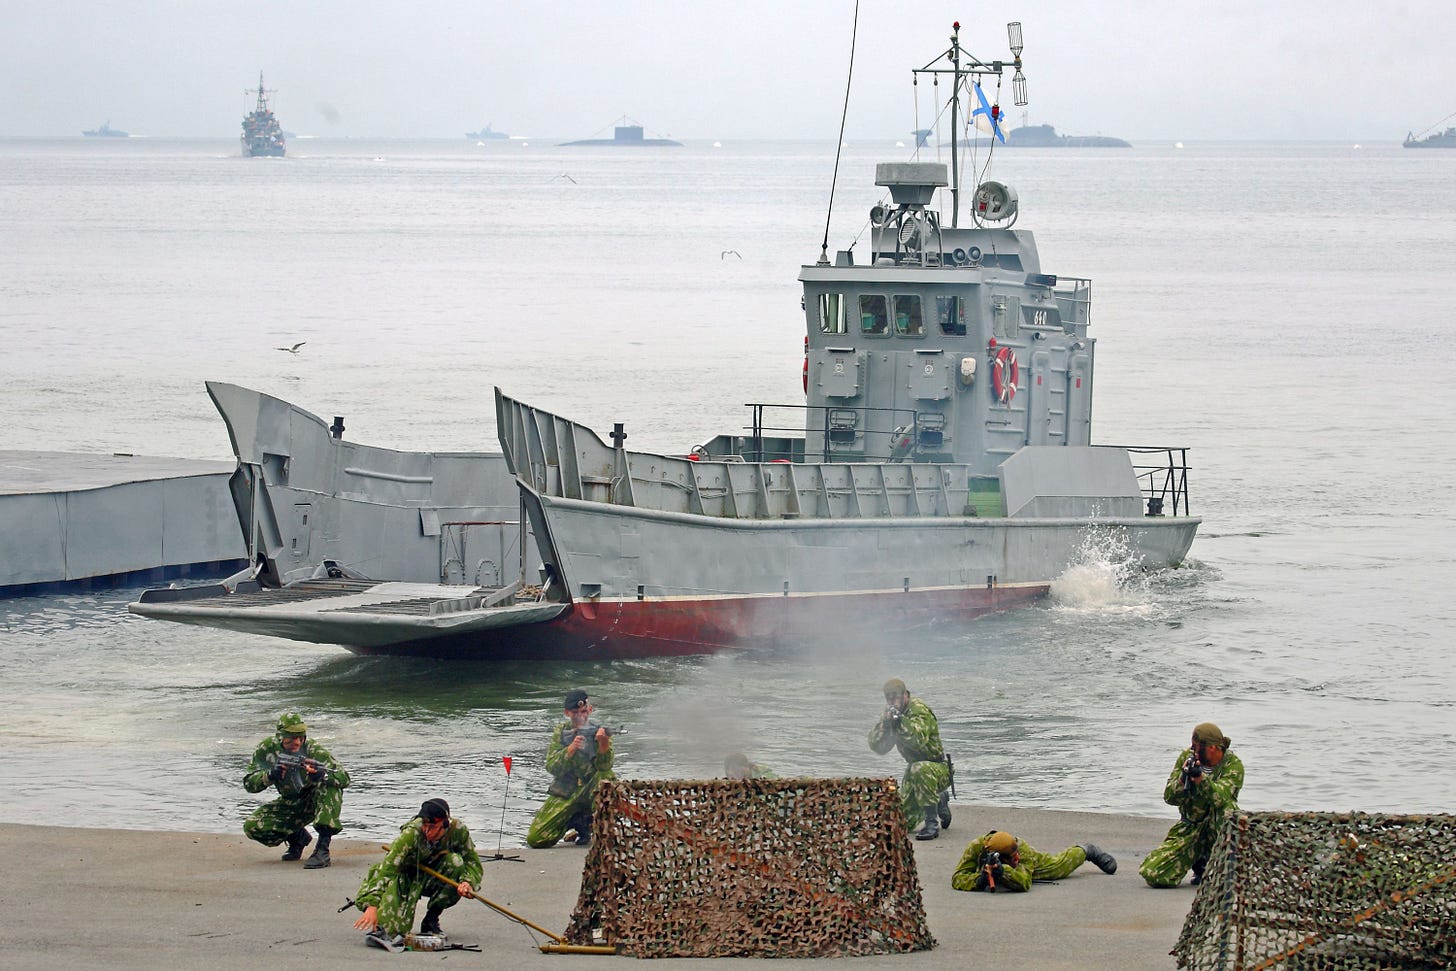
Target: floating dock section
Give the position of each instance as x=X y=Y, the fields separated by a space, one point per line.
x=80 y=521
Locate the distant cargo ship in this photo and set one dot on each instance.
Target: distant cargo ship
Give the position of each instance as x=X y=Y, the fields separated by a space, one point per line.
x=486 y=134
x=1045 y=136
x=627 y=136
x=1440 y=139
x=106 y=131
x=262 y=135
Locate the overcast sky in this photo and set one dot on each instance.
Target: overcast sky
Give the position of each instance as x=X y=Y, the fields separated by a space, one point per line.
x=1255 y=69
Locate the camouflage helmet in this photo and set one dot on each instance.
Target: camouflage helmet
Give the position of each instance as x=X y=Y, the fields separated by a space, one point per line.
x=1001 y=842
x=291 y=723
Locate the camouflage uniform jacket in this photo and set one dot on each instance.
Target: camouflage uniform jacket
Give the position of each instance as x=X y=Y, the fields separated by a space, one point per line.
x=571 y=774
x=917 y=738
x=1217 y=794
x=295 y=781
x=411 y=848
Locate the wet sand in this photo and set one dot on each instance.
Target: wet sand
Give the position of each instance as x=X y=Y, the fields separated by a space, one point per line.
x=120 y=899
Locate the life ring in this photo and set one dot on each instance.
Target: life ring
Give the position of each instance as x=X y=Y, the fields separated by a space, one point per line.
x=1005 y=375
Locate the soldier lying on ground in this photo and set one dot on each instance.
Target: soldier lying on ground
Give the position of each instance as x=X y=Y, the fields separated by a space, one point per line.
x=393 y=887
x=310 y=790
x=999 y=861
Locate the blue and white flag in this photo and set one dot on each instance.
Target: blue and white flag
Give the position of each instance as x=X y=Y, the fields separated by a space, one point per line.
x=983 y=118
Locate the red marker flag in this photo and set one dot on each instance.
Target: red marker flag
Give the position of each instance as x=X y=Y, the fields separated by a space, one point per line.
x=507 y=760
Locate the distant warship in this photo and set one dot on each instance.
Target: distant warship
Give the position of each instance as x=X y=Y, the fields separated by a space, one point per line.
x=106 y=131
x=262 y=135
x=1440 y=139
x=486 y=134
x=1045 y=136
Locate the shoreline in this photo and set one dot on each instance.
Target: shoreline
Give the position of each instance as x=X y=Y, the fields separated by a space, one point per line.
x=156 y=899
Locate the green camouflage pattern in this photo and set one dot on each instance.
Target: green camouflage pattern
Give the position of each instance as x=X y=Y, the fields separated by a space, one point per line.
x=1201 y=812
x=918 y=740
x=395 y=884
x=301 y=799
x=574 y=782
x=1032 y=865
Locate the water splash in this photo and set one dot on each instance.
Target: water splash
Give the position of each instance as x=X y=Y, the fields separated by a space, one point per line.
x=1104 y=575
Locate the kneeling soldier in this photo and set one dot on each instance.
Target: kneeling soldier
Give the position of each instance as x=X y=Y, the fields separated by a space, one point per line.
x=310 y=790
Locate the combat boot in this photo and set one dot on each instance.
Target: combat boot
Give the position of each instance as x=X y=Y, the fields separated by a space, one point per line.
x=296 y=843
x=583 y=832
x=943 y=809
x=931 y=829
x=431 y=923
x=1100 y=858
x=1198 y=867
x=320 y=857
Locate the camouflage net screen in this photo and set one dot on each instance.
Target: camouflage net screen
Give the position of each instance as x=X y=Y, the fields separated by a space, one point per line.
x=1328 y=891
x=761 y=868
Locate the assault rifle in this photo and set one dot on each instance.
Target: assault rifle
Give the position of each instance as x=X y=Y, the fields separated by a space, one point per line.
x=588 y=735
x=991 y=868
x=1192 y=772
x=287 y=762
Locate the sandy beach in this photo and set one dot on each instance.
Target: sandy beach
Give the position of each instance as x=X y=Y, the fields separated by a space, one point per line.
x=119 y=899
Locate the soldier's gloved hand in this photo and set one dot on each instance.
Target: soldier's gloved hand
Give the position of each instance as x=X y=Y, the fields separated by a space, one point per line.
x=278 y=771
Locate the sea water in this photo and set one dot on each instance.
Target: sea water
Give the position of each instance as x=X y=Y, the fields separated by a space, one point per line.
x=1283 y=310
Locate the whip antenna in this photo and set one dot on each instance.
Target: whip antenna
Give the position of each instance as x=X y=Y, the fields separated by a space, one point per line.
x=839 y=148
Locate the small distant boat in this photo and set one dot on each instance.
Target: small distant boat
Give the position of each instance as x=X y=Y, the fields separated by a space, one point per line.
x=922 y=135
x=486 y=134
x=626 y=136
x=1440 y=139
x=106 y=131
x=1045 y=136
x=262 y=135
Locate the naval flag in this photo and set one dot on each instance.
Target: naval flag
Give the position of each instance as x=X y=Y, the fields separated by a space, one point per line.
x=986 y=118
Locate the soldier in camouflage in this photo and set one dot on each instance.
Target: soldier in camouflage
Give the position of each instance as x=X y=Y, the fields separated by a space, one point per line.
x=393 y=887
x=1204 y=785
x=1000 y=861
x=310 y=790
x=737 y=767
x=909 y=725
x=575 y=768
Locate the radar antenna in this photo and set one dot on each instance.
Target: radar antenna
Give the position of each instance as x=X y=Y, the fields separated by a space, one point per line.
x=962 y=64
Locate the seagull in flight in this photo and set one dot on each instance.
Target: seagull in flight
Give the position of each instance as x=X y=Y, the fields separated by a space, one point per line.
x=293 y=349
x=724 y=255
x=567 y=177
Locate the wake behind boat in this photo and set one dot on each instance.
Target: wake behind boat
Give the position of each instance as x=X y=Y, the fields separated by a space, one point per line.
x=944 y=469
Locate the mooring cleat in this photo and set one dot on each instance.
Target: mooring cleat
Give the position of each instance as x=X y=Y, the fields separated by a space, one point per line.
x=1100 y=858
x=296 y=844
x=379 y=937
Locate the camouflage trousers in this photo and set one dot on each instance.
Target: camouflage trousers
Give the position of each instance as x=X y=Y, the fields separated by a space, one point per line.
x=398 y=897
x=1167 y=865
x=921 y=788
x=554 y=818
x=273 y=822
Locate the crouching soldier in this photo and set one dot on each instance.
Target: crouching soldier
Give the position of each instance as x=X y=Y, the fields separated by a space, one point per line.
x=576 y=766
x=1000 y=861
x=909 y=725
x=393 y=887
x=310 y=790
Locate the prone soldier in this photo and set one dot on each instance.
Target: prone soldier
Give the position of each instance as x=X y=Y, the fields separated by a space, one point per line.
x=1000 y=861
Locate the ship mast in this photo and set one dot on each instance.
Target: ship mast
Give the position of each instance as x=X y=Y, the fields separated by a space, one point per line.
x=963 y=65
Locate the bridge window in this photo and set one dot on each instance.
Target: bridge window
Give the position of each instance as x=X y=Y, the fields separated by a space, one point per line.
x=831 y=314
x=874 y=316
x=950 y=313
x=908 y=322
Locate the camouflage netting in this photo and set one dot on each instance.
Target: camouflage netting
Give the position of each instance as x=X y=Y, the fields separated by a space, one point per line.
x=762 y=868
x=1327 y=891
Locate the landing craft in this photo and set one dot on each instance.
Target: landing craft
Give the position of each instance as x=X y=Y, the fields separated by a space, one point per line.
x=946 y=469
